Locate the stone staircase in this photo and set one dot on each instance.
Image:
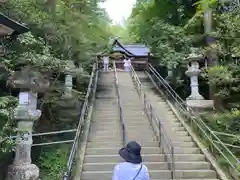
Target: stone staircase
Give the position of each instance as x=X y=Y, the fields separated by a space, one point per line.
x=105 y=137
x=193 y=165
x=139 y=129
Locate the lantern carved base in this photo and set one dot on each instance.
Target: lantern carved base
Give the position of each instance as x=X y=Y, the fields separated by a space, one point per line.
x=200 y=106
x=23 y=172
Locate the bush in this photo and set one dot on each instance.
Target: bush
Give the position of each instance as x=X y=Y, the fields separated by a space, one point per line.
x=52 y=161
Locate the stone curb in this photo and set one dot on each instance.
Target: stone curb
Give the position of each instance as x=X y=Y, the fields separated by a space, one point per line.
x=84 y=139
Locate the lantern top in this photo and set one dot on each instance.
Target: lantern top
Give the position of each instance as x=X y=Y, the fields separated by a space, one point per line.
x=194 y=56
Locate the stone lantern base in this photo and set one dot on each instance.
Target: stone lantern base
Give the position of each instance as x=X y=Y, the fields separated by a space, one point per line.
x=200 y=105
x=23 y=172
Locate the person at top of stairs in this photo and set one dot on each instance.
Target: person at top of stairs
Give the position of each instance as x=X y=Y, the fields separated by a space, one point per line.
x=132 y=168
x=127 y=64
x=105 y=63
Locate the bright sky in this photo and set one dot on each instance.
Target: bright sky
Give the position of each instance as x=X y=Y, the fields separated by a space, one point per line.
x=117 y=9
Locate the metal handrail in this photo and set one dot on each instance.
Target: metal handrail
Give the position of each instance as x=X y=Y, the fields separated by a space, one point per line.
x=136 y=80
x=84 y=110
x=209 y=135
x=124 y=133
x=164 y=140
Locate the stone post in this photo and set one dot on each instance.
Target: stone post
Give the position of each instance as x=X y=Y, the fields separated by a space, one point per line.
x=169 y=77
x=193 y=72
x=25 y=114
x=196 y=100
x=68 y=79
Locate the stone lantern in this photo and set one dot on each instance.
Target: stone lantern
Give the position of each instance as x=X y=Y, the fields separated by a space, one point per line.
x=195 y=100
x=169 y=77
x=30 y=83
x=68 y=106
x=70 y=71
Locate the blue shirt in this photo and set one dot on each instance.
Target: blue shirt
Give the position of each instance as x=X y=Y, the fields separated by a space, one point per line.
x=127 y=171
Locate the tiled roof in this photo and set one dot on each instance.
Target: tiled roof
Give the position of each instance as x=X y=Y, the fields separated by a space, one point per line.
x=16 y=27
x=131 y=49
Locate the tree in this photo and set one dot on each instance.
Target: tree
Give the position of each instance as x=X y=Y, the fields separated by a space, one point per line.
x=60 y=30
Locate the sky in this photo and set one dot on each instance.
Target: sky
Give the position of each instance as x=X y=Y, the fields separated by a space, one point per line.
x=118 y=9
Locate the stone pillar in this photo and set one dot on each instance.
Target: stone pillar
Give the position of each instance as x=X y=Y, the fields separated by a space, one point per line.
x=193 y=72
x=196 y=100
x=68 y=79
x=25 y=114
x=68 y=86
x=169 y=77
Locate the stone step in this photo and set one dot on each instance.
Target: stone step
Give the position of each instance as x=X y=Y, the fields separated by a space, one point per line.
x=180 y=138
x=199 y=165
x=183 y=144
x=104 y=138
x=185 y=150
x=108 y=166
x=176 y=137
x=116 y=144
x=106 y=114
x=107 y=136
x=178 y=133
x=102 y=120
x=146 y=157
x=106 y=103
x=103 y=144
x=104 y=166
x=103 y=105
x=116 y=124
x=117 y=158
x=164 y=174
x=114 y=151
x=114 y=110
x=116 y=135
x=172 y=125
x=105 y=128
x=105 y=133
x=175 y=129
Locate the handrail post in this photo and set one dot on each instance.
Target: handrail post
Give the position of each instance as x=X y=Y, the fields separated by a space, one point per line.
x=151 y=113
x=132 y=72
x=173 y=163
x=140 y=89
x=144 y=101
x=160 y=134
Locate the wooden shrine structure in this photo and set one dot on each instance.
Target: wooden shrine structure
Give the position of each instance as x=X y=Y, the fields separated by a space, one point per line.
x=10 y=28
x=139 y=54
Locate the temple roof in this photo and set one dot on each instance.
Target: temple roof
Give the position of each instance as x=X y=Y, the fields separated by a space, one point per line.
x=130 y=49
x=9 y=27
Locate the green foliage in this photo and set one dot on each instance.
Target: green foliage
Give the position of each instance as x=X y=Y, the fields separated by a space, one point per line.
x=52 y=161
x=7 y=103
x=224 y=122
x=229 y=123
x=170 y=28
x=60 y=31
x=160 y=31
